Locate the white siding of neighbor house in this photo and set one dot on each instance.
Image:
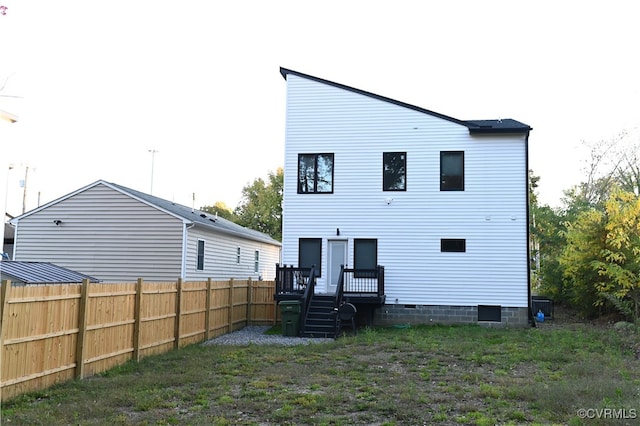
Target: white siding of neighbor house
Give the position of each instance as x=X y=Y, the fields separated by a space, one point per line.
x=105 y=234
x=220 y=257
x=490 y=213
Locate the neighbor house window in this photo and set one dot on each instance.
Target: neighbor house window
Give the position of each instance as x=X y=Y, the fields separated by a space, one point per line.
x=315 y=173
x=394 y=171
x=456 y=245
x=365 y=256
x=238 y=256
x=310 y=253
x=256 y=261
x=452 y=171
x=200 y=256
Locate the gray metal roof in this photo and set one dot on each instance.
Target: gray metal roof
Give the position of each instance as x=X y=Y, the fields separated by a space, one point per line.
x=474 y=126
x=199 y=217
x=40 y=273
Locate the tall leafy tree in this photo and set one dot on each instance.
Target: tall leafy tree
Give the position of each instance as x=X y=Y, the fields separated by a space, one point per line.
x=261 y=205
x=547 y=242
x=584 y=244
x=619 y=265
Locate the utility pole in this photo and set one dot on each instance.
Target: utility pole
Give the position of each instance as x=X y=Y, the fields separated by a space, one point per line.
x=153 y=160
x=24 y=191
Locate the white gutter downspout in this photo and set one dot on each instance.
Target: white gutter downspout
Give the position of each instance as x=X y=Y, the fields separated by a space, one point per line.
x=185 y=233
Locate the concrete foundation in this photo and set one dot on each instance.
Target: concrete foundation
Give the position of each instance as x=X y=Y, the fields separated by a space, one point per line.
x=438 y=314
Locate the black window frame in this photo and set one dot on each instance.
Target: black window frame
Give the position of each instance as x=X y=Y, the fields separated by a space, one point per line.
x=453 y=245
x=387 y=175
x=358 y=259
x=315 y=173
x=200 y=256
x=453 y=182
x=307 y=260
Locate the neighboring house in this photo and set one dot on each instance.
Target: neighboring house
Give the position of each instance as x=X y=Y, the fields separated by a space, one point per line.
x=117 y=234
x=439 y=202
x=40 y=273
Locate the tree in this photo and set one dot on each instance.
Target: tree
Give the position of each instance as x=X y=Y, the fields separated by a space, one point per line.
x=261 y=205
x=619 y=266
x=220 y=209
x=584 y=245
x=547 y=243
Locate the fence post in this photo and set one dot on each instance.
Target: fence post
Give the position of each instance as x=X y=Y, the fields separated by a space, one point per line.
x=230 y=305
x=137 y=318
x=82 y=329
x=249 y=301
x=176 y=330
x=4 y=301
x=207 y=313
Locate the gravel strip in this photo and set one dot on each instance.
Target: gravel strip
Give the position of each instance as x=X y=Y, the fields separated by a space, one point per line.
x=255 y=335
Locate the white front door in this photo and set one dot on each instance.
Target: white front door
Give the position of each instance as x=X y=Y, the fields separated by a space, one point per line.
x=337 y=257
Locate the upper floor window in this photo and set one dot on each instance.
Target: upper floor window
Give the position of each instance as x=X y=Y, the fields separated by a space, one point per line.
x=451 y=170
x=256 y=261
x=315 y=173
x=200 y=256
x=237 y=255
x=394 y=171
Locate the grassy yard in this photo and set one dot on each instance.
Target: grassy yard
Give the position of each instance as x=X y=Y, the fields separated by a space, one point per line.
x=412 y=376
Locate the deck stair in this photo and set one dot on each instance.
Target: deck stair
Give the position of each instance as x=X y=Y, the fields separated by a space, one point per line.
x=320 y=320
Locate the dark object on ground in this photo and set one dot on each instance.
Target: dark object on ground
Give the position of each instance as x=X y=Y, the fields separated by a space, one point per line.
x=347 y=317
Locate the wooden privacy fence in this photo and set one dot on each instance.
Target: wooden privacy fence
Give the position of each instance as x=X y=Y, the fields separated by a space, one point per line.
x=53 y=333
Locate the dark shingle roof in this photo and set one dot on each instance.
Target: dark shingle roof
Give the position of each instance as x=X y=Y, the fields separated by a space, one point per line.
x=199 y=217
x=40 y=273
x=505 y=125
x=474 y=126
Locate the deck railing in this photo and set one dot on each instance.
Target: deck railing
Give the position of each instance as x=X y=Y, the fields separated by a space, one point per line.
x=291 y=279
x=363 y=281
x=295 y=280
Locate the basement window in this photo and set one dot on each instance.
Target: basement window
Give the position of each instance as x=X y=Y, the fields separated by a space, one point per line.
x=490 y=313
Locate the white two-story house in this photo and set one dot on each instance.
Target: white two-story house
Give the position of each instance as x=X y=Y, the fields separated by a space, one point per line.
x=440 y=203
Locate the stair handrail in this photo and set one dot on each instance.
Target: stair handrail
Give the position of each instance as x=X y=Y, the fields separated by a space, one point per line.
x=309 y=290
x=339 y=288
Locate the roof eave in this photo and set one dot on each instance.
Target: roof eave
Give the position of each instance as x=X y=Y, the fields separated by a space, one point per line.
x=493 y=131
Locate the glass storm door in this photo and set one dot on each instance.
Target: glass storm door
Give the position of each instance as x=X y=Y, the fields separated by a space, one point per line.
x=337 y=257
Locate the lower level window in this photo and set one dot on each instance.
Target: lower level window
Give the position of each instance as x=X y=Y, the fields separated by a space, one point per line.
x=310 y=254
x=365 y=257
x=256 y=262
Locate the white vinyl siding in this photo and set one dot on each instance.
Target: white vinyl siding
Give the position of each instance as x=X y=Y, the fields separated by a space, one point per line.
x=490 y=214
x=221 y=257
x=104 y=234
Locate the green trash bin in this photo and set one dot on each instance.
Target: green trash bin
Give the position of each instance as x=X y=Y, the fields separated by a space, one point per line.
x=290 y=310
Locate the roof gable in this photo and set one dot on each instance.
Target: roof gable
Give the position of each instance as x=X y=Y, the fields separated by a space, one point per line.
x=474 y=126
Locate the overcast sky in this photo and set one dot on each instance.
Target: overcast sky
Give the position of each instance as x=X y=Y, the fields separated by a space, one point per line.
x=101 y=83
